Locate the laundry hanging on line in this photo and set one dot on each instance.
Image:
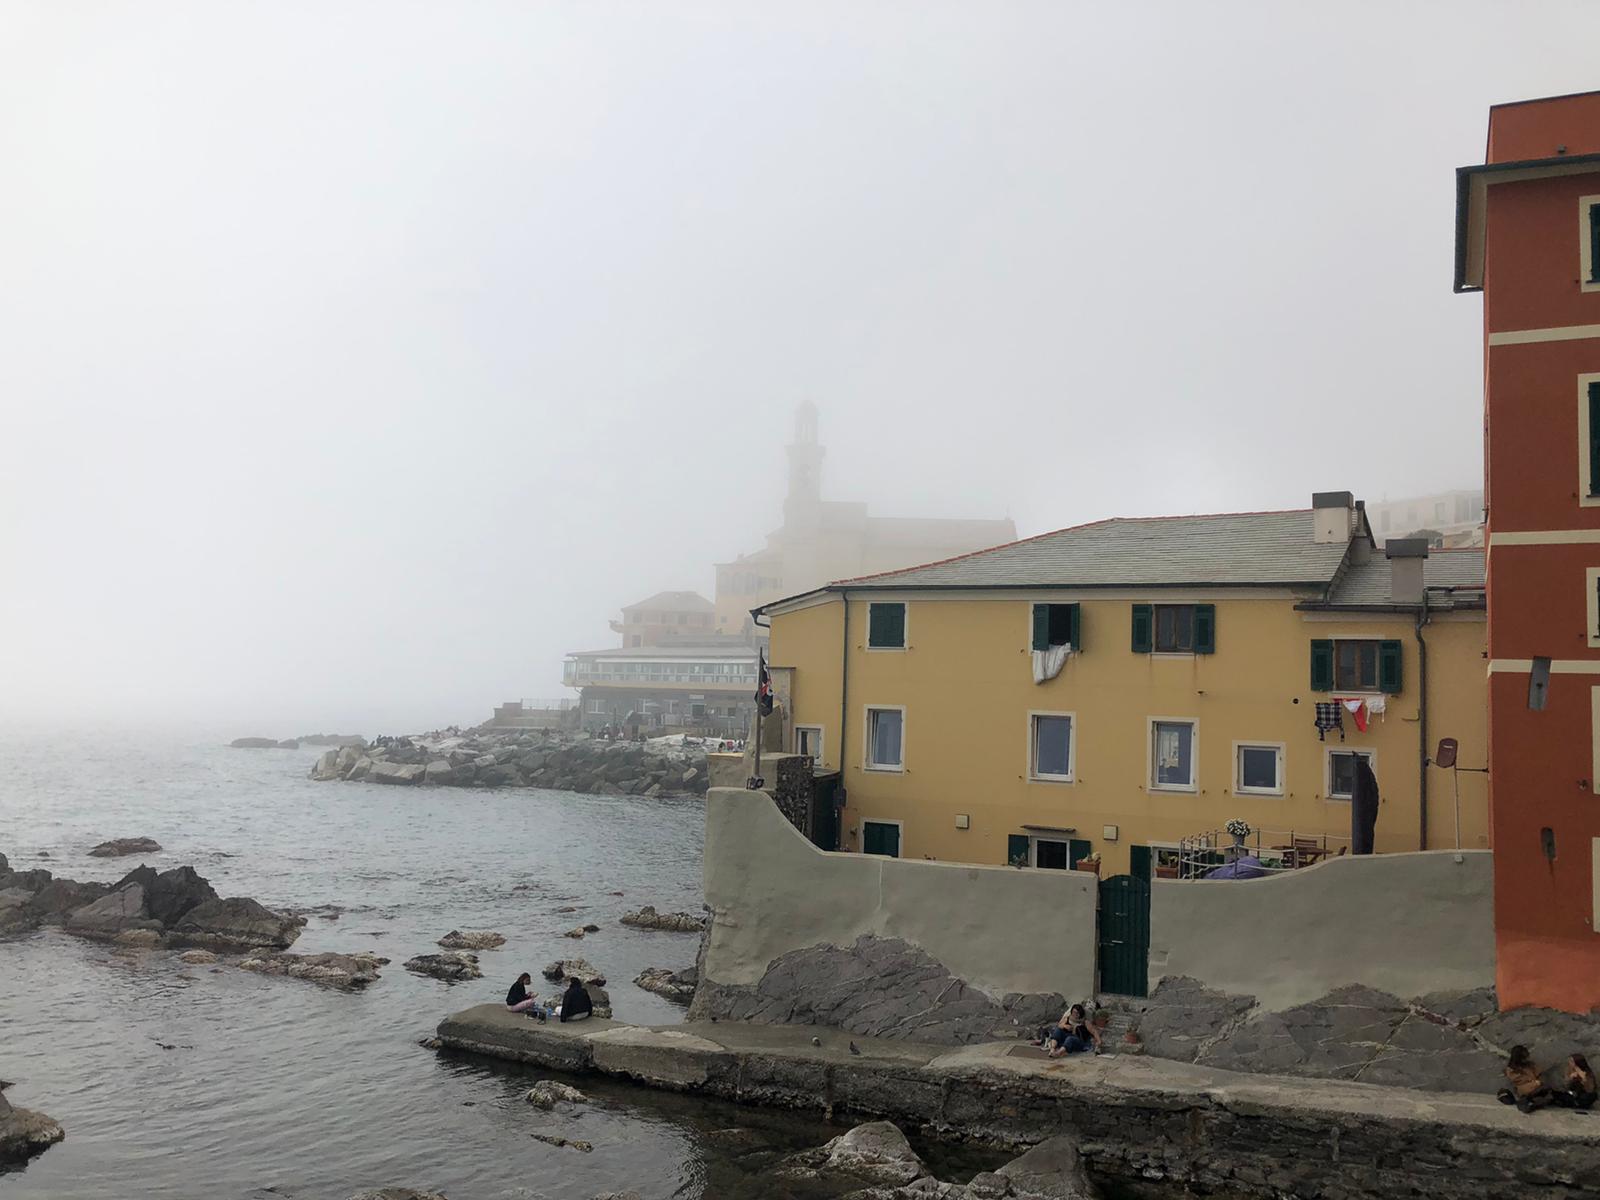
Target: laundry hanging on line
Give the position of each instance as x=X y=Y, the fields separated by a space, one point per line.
x=1357 y=708
x=1330 y=716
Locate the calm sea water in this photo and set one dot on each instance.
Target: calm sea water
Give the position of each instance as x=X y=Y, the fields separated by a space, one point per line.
x=182 y=1081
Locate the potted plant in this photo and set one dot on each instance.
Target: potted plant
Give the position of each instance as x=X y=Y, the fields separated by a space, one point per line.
x=1239 y=830
x=1089 y=862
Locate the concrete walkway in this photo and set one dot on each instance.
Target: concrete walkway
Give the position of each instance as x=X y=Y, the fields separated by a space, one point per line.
x=1137 y=1117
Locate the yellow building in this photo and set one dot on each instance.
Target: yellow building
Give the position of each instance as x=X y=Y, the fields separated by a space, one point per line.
x=1181 y=662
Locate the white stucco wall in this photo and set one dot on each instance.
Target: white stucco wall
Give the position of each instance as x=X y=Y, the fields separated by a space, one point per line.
x=999 y=928
x=1406 y=923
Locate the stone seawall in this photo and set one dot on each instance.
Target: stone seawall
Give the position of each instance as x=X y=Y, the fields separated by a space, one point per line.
x=1135 y=1119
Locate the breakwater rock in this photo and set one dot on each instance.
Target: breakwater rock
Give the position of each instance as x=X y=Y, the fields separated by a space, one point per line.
x=472 y=939
x=347 y=972
x=264 y=743
x=24 y=1134
x=452 y=967
x=522 y=758
x=118 y=847
x=674 y=922
x=677 y=986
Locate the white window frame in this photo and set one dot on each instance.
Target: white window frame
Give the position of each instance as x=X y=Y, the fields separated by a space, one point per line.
x=1327 y=769
x=1033 y=774
x=1239 y=788
x=1033 y=850
x=1591 y=583
x=1585 y=500
x=866 y=746
x=1594 y=717
x=1586 y=280
x=1151 y=785
x=816 y=732
x=900 y=840
x=905 y=629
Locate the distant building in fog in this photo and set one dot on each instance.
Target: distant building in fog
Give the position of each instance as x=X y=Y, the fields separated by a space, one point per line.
x=1444 y=518
x=824 y=540
x=665 y=617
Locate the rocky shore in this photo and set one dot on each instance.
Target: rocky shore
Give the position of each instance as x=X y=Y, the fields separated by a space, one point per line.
x=522 y=758
x=24 y=1133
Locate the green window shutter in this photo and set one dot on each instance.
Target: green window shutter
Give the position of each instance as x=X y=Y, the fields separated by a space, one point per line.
x=1139 y=862
x=1390 y=657
x=1075 y=624
x=1594 y=243
x=1322 y=665
x=886 y=626
x=1076 y=848
x=1594 y=421
x=1017 y=849
x=1205 y=628
x=1041 y=627
x=1143 y=628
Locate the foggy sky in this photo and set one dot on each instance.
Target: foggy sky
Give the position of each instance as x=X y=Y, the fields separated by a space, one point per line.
x=359 y=359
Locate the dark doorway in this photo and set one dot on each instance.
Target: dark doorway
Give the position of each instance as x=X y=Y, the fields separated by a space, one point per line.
x=880 y=837
x=1125 y=935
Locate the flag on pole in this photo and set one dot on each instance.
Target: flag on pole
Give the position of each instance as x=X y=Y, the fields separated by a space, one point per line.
x=763 y=685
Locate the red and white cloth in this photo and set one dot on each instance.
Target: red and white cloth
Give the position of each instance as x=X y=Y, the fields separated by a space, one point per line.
x=1356 y=706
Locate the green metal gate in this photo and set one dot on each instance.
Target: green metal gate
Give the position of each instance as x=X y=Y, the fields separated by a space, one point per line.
x=1125 y=935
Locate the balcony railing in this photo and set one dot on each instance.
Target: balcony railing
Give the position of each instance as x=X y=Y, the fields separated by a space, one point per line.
x=1273 y=851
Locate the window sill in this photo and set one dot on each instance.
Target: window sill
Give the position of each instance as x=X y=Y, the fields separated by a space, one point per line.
x=886 y=649
x=1051 y=779
x=1246 y=792
x=1174 y=654
x=1337 y=799
x=1170 y=788
x=877 y=770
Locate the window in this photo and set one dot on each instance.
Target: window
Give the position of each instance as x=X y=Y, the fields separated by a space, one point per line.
x=886 y=627
x=1591 y=578
x=1589 y=420
x=1056 y=625
x=1342 y=772
x=1258 y=768
x=1175 y=628
x=881 y=837
x=808 y=741
x=1357 y=665
x=599 y=707
x=1589 y=242
x=1050 y=854
x=1050 y=746
x=1172 y=756
x=885 y=733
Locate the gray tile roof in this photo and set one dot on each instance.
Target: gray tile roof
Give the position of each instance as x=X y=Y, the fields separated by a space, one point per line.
x=1369 y=582
x=1232 y=549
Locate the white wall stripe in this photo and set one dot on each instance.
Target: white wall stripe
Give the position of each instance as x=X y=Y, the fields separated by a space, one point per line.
x=1559 y=666
x=1560 y=333
x=1545 y=537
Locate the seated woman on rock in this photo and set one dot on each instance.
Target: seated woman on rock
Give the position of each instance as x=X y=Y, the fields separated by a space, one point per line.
x=1070 y=1035
x=520 y=1000
x=575 y=1003
x=1580 y=1090
x=1523 y=1087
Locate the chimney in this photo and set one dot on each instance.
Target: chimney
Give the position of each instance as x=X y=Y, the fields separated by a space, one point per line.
x=1331 y=514
x=1406 y=556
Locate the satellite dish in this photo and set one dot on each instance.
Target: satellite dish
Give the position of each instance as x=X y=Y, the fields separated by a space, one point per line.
x=1446 y=754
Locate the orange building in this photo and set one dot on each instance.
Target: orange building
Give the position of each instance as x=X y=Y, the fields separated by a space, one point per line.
x=1528 y=237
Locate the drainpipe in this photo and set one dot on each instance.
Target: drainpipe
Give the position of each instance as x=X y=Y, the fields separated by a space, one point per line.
x=1422 y=724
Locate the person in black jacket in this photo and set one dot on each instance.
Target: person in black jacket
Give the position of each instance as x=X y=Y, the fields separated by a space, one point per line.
x=575 y=1003
x=520 y=1000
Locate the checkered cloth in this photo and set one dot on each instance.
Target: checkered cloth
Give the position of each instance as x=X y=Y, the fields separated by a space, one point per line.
x=1330 y=715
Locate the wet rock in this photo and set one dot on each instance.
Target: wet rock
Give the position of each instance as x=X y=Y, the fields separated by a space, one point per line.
x=14 y=915
x=175 y=893
x=471 y=939
x=343 y=971
x=24 y=1133
x=874 y=1153
x=1182 y=1016
x=118 y=847
x=453 y=966
x=677 y=986
x=616 y=1196
x=197 y=957
x=254 y=743
x=395 y=773
x=564 y=969
x=138 y=939
x=1052 y=1170
x=574 y=933
x=399 y=1193
x=236 y=924
x=122 y=910
x=51 y=903
x=437 y=773
x=675 y=922
x=547 y=1093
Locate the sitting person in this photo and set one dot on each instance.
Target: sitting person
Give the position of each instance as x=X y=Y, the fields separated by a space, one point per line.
x=1524 y=1087
x=1580 y=1090
x=1071 y=1035
x=575 y=1003
x=520 y=1000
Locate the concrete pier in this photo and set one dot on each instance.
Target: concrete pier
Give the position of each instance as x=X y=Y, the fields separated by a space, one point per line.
x=1136 y=1118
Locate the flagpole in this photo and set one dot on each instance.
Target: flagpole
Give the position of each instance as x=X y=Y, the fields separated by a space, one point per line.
x=755 y=782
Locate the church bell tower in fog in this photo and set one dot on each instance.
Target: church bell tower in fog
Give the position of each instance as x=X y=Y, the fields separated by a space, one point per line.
x=802 y=508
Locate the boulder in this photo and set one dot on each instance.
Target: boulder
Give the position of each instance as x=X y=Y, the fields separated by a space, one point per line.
x=236 y=924
x=398 y=773
x=197 y=958
x=564 y=969
x=122 y=910
x=437 y=773
x=398 y=1193
x=576 y=932
x=360 y=768
x=118 y=847
x=173 y=894
x=877 y=1152
x=547 y=1093
x=28 y=881
x=670 y=985
x=138 y=939
x=5 y=864
x=453 y=966
x=326 y=767
x=51 y=903
x=1052 y=1170
x=24 y=1133
x=676 y=922
x=471 y=939
x=343 y=971
x=14 y=915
